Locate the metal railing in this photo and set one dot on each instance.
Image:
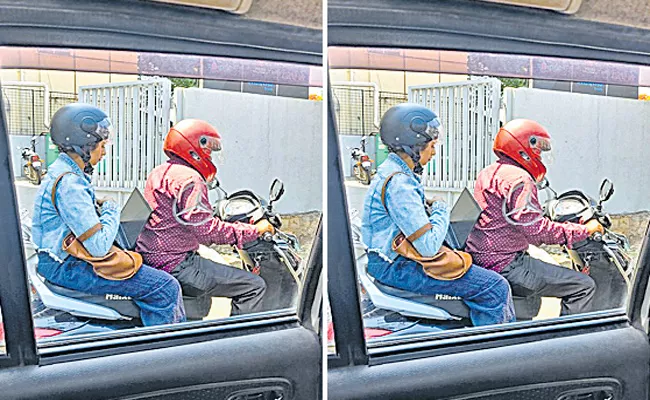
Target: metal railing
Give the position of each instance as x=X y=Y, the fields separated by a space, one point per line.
x=25 y=107
x=469 y=112
x=140 y=113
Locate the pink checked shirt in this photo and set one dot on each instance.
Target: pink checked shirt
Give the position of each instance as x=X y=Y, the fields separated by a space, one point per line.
x=182 y=217
x=503 y=230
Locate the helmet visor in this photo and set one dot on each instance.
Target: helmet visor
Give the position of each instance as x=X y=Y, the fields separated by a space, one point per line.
x=104 y=130
x=210 y=143
x=540 y=144
x=434 y=130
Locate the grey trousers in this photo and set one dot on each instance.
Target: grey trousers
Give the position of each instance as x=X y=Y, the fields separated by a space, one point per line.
x=199 y=276
x=529 y=276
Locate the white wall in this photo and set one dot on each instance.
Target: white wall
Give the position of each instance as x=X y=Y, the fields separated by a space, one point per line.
x=264 y=137
x=594 y=137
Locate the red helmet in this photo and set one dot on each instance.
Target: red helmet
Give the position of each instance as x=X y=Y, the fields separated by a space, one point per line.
x=194 y=140
x=524 y=140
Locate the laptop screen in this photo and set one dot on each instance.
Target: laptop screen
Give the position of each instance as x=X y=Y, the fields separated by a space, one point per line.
x=133 y=218
x=462 y=218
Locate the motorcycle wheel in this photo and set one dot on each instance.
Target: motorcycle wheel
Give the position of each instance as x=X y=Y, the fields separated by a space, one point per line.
x=362 y=175
x=367 y=176
x=35 y=175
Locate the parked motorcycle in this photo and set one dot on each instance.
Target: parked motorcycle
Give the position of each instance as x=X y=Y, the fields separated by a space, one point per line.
x=33 y=168
x=391 y=312
x=62 y=312
x=362 y=169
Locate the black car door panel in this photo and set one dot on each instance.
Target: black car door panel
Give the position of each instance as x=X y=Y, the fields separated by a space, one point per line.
x=255 y=363
x=613 y=359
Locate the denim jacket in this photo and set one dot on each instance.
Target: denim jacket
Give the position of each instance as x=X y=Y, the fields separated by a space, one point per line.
x=406 y=211
x=75 y=199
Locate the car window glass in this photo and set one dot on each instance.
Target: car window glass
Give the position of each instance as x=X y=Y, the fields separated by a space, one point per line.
x=251 y=115
x=528 y=237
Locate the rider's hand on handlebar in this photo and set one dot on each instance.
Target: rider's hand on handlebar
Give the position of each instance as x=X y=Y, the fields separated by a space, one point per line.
x=264 y=226
x=593 y=226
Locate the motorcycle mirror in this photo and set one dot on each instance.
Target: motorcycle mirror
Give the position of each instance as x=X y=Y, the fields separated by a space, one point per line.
x=276 y=191
x=545 y=184
x=606 y=190
x=215 y=184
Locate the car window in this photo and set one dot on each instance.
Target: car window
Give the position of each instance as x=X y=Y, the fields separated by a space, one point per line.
x=190 y=173
x=551 y=237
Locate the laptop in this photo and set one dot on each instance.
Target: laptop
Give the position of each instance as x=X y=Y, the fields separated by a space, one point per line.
x=462 y=218
x=133 y=218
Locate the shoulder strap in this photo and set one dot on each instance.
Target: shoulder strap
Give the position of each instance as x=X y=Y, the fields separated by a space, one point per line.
x=383 y=188
x=84 y=236
x=423 y=229
x=56 y=183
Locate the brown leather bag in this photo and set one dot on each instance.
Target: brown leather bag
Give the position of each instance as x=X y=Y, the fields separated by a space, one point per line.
x=116 y=265
x=446 y=265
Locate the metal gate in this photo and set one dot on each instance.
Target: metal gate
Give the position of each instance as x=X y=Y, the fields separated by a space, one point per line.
x=140 y=113
x=469 y=112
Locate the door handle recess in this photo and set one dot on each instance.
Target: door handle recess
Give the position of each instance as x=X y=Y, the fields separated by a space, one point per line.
x=588 y=394
x=258 y=394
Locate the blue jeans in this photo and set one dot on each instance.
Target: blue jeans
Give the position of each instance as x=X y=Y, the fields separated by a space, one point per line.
x=157 y=294
x=486 y=293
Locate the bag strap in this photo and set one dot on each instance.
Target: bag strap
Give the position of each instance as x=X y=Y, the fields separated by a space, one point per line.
x=86 y=235
x=423 y=229
x=56 y=183
x=383 y=188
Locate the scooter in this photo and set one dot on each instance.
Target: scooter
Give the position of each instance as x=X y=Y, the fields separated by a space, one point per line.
x=362 y=169
x=273 y=257
x=63 y=312
x=33 y=167
x=391 y=312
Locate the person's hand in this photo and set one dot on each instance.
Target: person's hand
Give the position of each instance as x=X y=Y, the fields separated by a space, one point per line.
x=434 y=199
x=593 y=226
x=100 y=202
x=264 y=226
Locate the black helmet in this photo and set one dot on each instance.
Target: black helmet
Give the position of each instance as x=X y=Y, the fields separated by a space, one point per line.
x=409 y=127
x=78 y=127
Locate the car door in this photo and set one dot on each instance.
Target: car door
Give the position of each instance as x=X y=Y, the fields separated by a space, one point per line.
x=602 y=355
x=244 y=359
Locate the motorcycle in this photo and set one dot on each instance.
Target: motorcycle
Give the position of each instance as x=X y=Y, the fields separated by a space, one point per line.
x=391 y=312
x=273 y=257
x=63 y=312
x=362 y=169
x=33 y=168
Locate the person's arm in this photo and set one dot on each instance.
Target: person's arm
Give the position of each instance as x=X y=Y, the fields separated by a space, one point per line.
x=194 y=211
x=76 y=208
x=406 y=208
x=523 y=209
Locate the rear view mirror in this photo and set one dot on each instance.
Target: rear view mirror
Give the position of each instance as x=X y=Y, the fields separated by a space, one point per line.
x=606 y=190
x=277 y=190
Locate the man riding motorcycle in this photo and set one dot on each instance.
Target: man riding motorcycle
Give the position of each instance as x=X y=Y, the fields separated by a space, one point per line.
x=182 y=219
x=512 y=219
x=395 y=203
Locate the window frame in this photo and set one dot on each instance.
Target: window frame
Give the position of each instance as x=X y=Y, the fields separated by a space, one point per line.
x=86 y=27
x=374 y=25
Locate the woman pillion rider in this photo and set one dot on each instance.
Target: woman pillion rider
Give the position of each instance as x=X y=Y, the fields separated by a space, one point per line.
x=410 y=132
x=81 y=132
x=512 y=219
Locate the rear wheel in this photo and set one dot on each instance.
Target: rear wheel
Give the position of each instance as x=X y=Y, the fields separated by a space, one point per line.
x=34 y=175
x=362 y=174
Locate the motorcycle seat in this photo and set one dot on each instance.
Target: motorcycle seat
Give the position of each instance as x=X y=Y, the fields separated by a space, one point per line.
x=122 y=304
x=525 y=307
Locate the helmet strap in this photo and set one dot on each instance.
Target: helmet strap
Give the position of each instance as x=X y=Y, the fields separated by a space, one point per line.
x=84 y=153
x=414 y=153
